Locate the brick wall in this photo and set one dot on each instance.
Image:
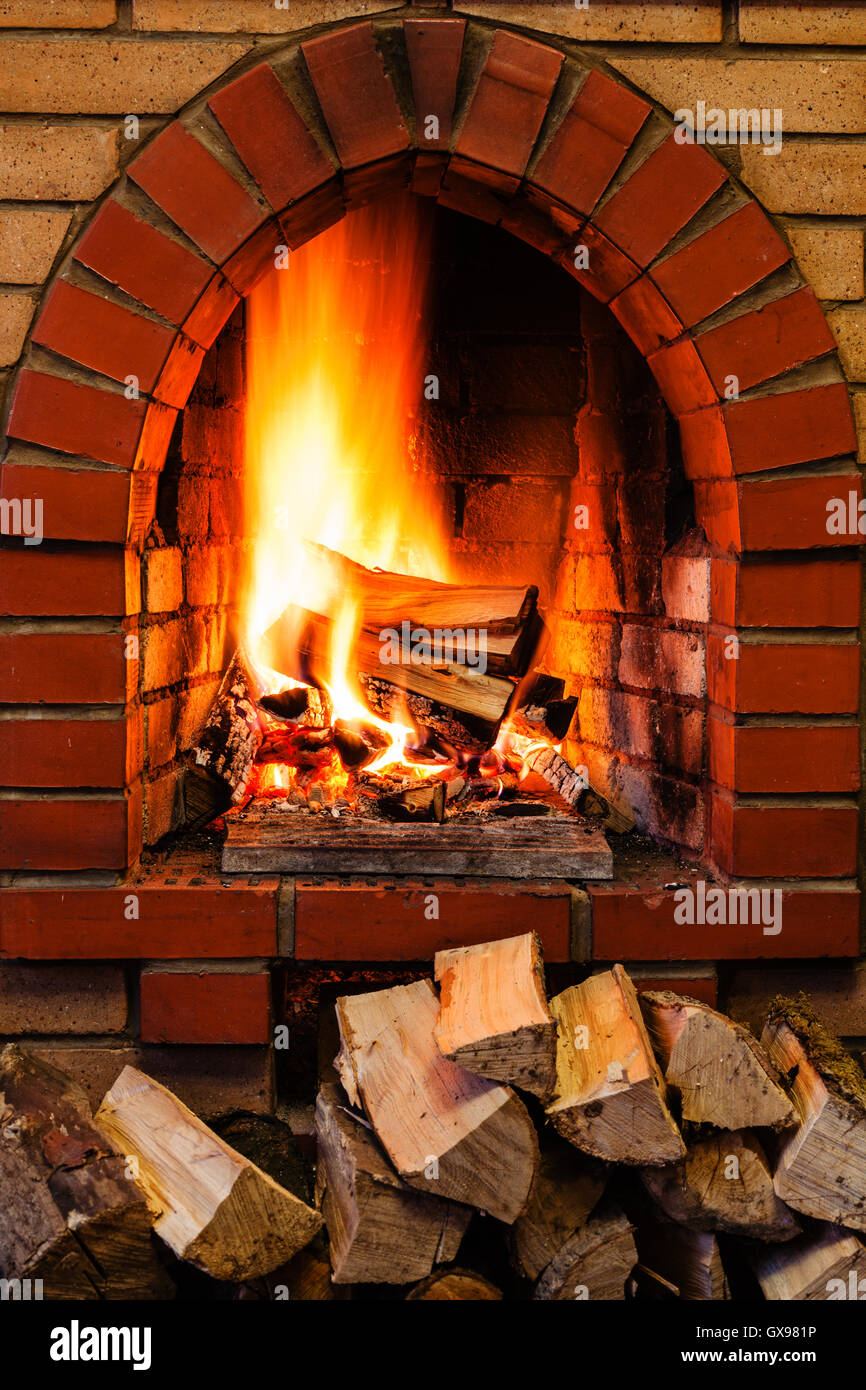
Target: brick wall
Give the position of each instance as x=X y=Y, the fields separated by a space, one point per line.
x=193 y=569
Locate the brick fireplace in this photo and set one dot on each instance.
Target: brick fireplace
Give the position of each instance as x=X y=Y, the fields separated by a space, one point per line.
x=641 y=409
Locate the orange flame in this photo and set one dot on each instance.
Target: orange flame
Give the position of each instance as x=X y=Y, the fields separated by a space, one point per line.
x=335 y=361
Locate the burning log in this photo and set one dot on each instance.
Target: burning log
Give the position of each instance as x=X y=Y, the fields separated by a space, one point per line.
x=455 y=730
x=594 y=1263
x=493 y=1015
x=506 y=615
x=299 y=643
x=420 y=800
x=700 y=1050
x=358 y=744
x=551 y=721
x=610 y=1096
x=306 y=748
x=724 y=1183
x=543 y=711
x=305 y=705
x=70 y=1215
x=570 y=783
x=216 y=1209
x=821 y=1164
x=223 y=758
x=381 y=1230
x=445 y=1130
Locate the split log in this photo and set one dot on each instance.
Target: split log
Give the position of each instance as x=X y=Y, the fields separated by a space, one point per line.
x=70 y=1215
x=387 y=599
x=827 y=1264
x=445 y=1130
x=724 y=1183
x=594 y=1263
x=571 y=784
x=299 y=643
x=609 y=1098
x=493 y=1014
x=721 y=1073
x=216 y=1209
x=382 y=1231
x=222 y=761
x=821 y=1164
x=688 y=1259
x=566 y=1190
x=455 y=1286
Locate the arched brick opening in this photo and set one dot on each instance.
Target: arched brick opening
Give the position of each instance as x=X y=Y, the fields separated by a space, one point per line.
x=566 y=158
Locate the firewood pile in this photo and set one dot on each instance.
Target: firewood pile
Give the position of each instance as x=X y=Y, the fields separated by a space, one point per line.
x=476 y=1141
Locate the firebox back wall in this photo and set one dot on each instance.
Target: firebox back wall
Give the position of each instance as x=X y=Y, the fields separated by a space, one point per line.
x=557 y=464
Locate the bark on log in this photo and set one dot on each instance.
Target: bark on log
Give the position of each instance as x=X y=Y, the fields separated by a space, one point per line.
x=571 y=784
x=821 y=1163
x=445 y=1130
x=610 y=1097
x=723 y=1076
x=382 y=1231
x=216 y=1209
x=724 y=1183
x=222 y=761
x=594 y=1263
x=69 y=1215
x=493 y=1014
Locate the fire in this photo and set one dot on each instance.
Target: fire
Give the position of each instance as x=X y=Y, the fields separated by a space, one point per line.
x=335 y=362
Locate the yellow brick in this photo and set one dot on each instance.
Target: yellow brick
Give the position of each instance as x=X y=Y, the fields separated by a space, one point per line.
x=29 y=241
x=768 y=21
x=16 y=311
x=849 y=329
x=599 y=21
x=805 y=177
x=101 y=75
x=57 y=14
x=248 y=16
x=829 y=96
x=831 y=258
x=57 y=162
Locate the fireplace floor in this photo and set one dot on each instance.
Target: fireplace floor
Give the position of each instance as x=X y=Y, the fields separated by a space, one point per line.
x=499 y=842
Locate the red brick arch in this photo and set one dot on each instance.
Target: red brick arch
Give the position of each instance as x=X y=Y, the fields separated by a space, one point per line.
x=564 y=157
